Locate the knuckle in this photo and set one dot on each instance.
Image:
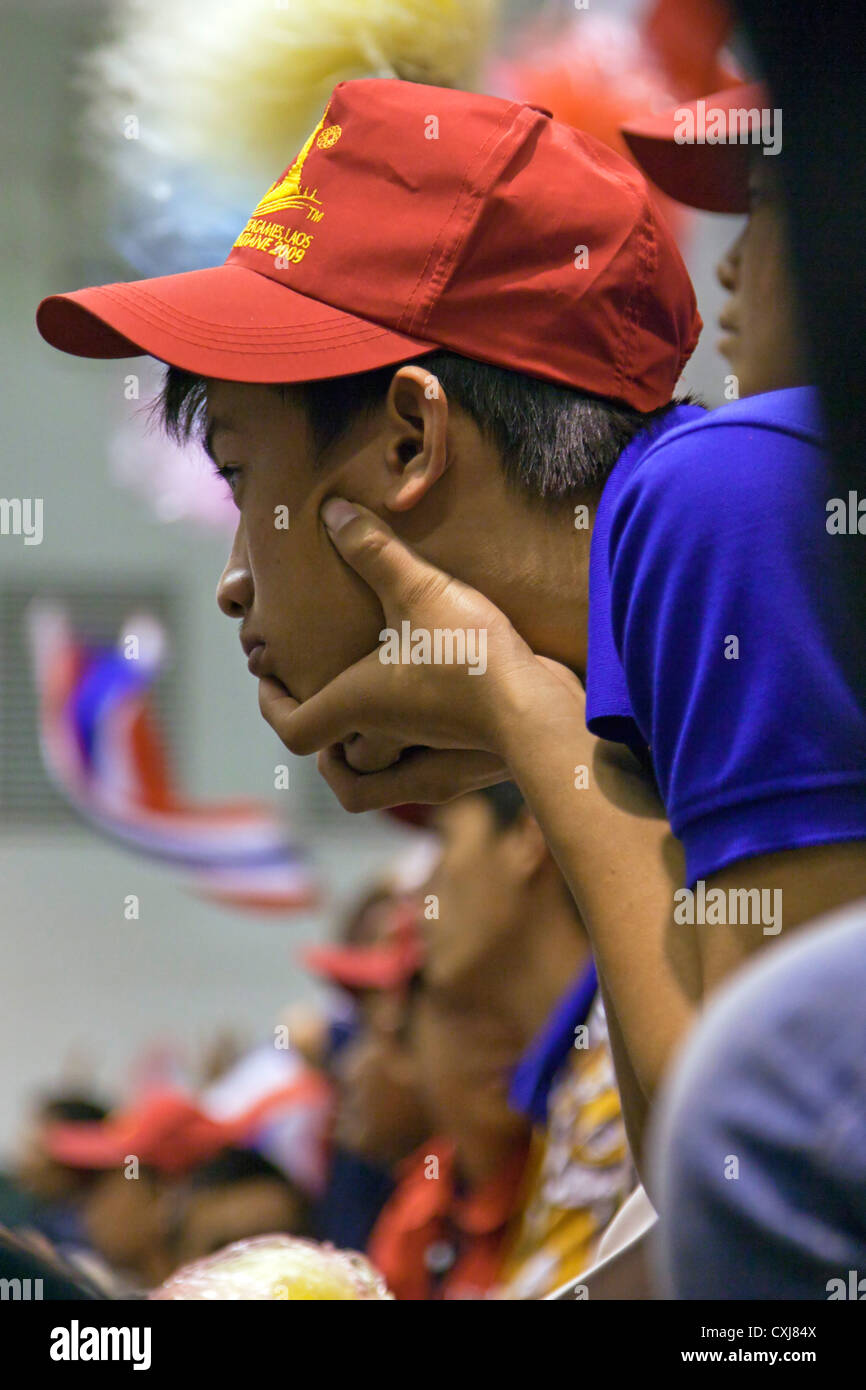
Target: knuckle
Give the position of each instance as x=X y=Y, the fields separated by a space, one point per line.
x=426 y=586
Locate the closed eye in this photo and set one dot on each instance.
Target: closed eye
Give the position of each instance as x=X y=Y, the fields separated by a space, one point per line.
x=229 y=474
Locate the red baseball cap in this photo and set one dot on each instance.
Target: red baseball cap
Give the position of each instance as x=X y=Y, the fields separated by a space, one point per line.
x=420 y=217
x=386 y=964
x=167 y=1131
x=174 y=1133
x=711 y=174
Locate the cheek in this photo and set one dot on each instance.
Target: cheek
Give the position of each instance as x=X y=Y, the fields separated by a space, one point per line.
x=472 y=870
x=763 y=281
x=317 y=616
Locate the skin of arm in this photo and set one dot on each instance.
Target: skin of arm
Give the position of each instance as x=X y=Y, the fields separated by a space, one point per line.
x=812 y=880
x=622 y=865
x=635 y=1106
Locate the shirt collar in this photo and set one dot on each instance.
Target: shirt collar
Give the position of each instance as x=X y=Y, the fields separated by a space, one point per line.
x=483 y=1209
x=535 y=1072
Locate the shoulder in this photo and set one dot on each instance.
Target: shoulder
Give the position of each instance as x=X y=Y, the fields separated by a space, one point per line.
x=761 y=453
x=754 y=436
x=792 y=414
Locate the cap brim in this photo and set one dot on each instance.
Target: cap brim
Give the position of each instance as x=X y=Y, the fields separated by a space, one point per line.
x=713 y=177
x=88 y=1145
x=166 y=1130
x=226 y=322
x=371 y=967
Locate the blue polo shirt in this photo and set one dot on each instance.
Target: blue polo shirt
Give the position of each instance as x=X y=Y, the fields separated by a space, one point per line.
x=719 y=634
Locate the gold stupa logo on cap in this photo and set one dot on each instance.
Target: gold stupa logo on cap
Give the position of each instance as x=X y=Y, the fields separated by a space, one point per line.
x=287 y=191
x=275 y=238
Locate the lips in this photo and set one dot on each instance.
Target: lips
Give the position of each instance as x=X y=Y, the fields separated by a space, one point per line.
x=727 y=319
x=727 y=340
x=254 y=650
x=255 y=657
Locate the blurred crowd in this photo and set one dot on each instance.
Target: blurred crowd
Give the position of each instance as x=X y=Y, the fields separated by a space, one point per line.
x=450 y=1108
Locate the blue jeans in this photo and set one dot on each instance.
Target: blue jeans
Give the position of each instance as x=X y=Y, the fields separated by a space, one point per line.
x=758 y=1155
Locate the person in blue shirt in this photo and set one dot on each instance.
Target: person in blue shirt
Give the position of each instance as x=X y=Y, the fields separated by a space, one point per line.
x=758 y=1145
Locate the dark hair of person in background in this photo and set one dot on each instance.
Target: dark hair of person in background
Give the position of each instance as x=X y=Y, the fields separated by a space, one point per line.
x=814 y=62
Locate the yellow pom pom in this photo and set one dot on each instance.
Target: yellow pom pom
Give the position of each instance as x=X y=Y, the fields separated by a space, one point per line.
x=230 y=83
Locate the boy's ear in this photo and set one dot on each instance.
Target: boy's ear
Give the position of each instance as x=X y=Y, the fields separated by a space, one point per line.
x=527 y=847
x=416 y=454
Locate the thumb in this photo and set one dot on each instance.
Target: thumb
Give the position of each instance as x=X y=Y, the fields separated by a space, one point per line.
x=393 y=570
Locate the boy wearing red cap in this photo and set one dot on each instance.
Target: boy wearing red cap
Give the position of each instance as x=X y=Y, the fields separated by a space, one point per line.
x=542 y=315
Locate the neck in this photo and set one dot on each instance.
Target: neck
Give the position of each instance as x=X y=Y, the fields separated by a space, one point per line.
x=513 y=993
x=530 y=558
x=542 y=958
x=537 y=572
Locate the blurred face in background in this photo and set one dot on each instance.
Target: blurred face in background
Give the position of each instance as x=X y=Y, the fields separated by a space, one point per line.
x=39 y=1174
x=129 y=1222
x=220 y=1215
x=480 y=881
x=381 y=1115
x=762 y=337
x=36 y=1170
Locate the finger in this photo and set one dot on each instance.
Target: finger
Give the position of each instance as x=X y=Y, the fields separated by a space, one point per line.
x=372 y=752
x=363 y=699
x=427 y=775
x=275 y=703
x=393 y=570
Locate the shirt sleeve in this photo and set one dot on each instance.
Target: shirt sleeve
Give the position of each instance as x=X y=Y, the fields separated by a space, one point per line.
x=729 y=617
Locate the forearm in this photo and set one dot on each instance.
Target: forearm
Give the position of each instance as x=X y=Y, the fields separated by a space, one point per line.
x=635 y=1107
x=622 y=866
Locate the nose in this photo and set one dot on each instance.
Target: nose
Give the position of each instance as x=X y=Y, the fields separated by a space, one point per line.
x=234 y=593
x=726 y=270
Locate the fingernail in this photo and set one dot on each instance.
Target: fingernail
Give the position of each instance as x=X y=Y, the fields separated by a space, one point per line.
x=337 y=513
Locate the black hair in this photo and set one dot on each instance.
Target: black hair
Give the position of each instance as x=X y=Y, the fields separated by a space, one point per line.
x=506 y=803
x=554 y=441
x=71 y=1109
x=234 y=1165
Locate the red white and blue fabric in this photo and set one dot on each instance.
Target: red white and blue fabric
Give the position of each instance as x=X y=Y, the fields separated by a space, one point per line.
x=103 y=749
